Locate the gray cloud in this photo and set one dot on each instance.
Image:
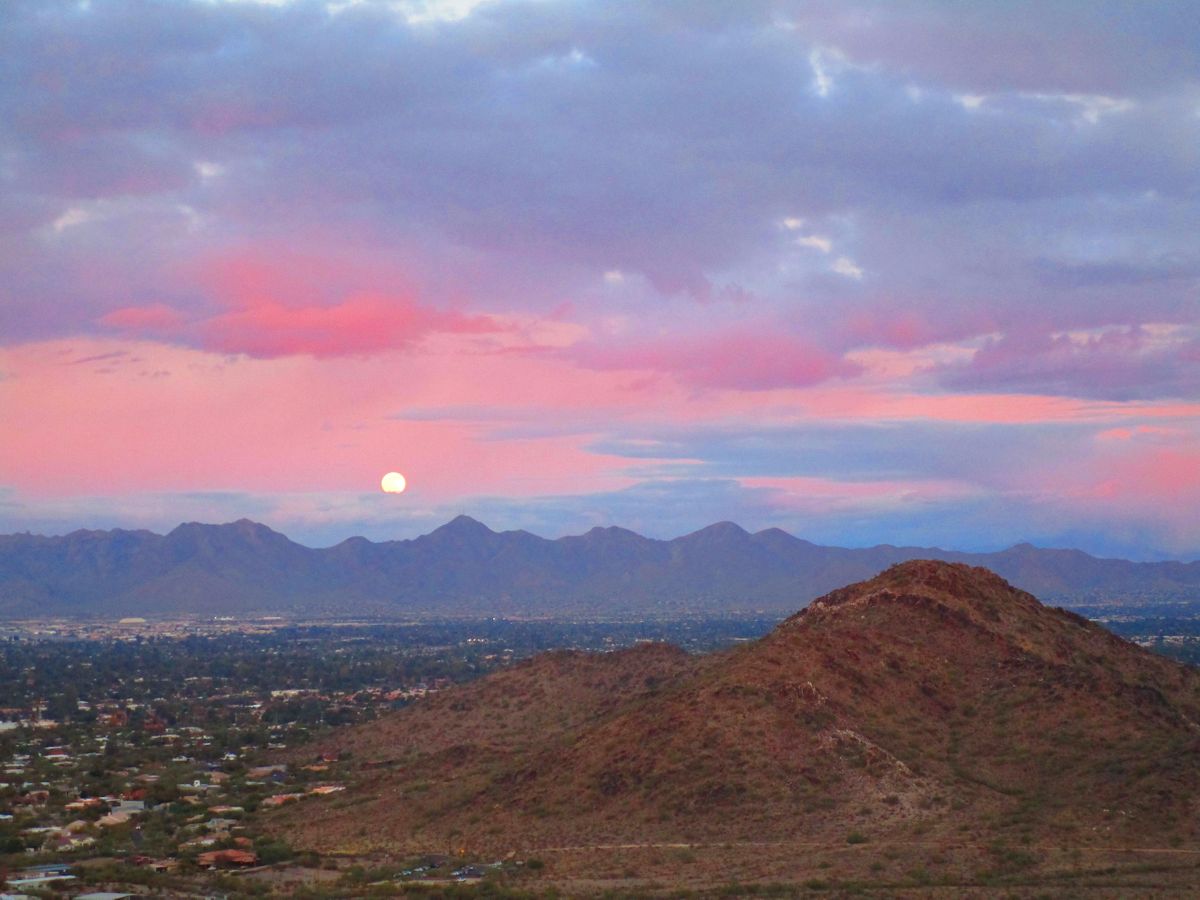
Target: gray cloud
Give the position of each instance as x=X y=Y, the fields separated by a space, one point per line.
x=538 y=145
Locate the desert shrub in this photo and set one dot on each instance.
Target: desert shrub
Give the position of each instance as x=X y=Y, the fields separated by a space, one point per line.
x=920 y=875
x=272 y=851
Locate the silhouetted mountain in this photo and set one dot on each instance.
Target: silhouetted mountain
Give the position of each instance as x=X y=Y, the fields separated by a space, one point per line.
x=464 y=567
x=933 y=700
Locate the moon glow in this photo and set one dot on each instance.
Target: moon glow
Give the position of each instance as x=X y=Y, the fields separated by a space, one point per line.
x=393 y=483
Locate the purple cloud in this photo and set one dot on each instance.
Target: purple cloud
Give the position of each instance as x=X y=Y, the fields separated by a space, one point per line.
x=1118 y=364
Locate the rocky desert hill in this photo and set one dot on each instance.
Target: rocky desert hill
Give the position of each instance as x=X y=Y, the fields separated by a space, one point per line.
x=933 y=704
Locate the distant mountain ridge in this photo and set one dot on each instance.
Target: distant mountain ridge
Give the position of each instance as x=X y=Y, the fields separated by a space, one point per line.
x=465 y=568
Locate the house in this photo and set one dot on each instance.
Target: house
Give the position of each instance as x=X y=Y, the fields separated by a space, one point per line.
x=84 y=803
x=205 y=840
x=197 y=787
x=280 y=799
x=37 y=881
x=322 y=789
x=48 y=870
x=40 y=876
x=67 y=841
x=227 y=858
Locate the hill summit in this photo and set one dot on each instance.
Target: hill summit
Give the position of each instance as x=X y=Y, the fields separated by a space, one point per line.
x=934 y=700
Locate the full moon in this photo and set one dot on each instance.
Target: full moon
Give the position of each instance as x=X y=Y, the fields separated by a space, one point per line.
x=393 y=483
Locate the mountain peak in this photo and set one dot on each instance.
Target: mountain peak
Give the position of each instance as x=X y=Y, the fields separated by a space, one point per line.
x=612 y=532
x=463 y=525
x=244 y=528
x=249 y=526
x=720 y=531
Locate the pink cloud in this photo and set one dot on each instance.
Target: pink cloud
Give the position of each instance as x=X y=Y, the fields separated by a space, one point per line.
x=157 y=317
x=1138 y=432
x=740 y=360
x=1155 y=488
x=899 y=330
x=326 y=424
x=884 y=403
x=276 y=303
x=820 y=495
x=529 y=426
x=1163 y=478
x=363 y=323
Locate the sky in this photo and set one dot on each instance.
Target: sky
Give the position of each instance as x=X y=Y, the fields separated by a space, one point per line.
x=910 y=272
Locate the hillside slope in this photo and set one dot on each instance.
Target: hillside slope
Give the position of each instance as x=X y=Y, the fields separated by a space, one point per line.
x=933 y=699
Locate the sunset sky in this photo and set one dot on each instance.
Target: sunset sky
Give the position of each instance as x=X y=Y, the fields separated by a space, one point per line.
x=904 y=272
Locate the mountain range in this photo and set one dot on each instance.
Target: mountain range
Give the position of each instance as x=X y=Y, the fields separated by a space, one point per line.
x=933 y=705
x=465 y=568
